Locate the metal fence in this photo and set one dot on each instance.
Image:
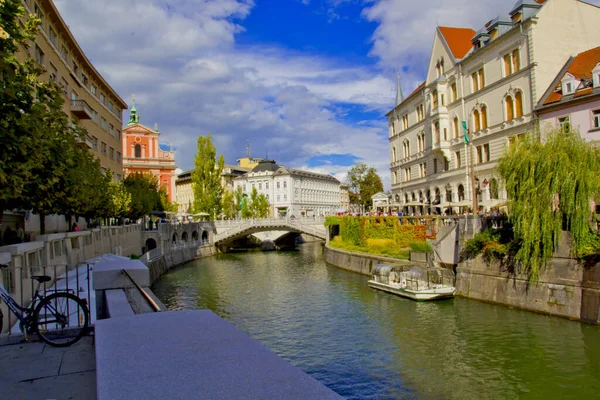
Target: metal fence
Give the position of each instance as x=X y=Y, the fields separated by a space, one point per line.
x=17 y=281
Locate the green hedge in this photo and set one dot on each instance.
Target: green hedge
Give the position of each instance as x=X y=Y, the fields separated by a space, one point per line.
x=357 y=230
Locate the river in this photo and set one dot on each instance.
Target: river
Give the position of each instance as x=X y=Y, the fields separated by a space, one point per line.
x=366 y=344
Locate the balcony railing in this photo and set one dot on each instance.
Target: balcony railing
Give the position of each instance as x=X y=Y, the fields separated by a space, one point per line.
x=81 y=109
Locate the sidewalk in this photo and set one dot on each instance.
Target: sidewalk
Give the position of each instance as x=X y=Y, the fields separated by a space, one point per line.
x=36 y=370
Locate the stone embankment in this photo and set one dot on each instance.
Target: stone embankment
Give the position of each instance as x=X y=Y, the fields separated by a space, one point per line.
x=565 y=288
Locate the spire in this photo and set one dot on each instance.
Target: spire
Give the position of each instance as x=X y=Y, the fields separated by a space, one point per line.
x=134 y=118
x=399 y=95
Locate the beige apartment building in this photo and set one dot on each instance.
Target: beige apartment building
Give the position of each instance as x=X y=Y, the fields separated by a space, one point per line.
x=89 y=100
x=488 y=81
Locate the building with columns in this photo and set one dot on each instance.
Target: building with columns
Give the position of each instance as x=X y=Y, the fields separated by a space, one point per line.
x=292 y=191
x=487 y=81
x=143 y=152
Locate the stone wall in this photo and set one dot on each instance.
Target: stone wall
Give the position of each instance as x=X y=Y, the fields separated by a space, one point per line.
x=565 y=288
x=164 y=263
x=357 y=262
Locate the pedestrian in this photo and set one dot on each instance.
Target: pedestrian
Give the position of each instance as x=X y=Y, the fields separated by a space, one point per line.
x=20 y=234
x=75 y=227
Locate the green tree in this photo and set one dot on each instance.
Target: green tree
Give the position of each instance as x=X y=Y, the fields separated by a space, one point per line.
x=117 y=200
x=550 y=180
x=20 y=107
x=165 y=204
x=228 y=204
x=364 y=183
x=144 y=192
x=258 y=205
x=206 y=178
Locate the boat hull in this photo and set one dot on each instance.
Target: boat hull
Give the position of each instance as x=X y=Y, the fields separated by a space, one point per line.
x=419 y=295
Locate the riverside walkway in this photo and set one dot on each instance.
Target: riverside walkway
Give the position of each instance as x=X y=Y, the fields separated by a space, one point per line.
x=35 y=370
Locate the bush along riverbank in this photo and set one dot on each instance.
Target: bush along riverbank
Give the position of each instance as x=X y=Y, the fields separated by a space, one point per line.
x=385 y=236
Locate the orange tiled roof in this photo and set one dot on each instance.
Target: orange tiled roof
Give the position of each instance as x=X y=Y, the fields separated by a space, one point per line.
x=421 y=86
x=582 y=65
x=458 y=39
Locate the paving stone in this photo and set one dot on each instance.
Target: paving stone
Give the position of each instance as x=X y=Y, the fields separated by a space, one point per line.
x=63 y=387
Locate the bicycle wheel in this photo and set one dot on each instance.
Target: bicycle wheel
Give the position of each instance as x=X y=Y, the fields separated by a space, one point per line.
x=61 y=319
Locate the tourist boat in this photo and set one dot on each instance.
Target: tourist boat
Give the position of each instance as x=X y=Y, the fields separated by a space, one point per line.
x=416 y=283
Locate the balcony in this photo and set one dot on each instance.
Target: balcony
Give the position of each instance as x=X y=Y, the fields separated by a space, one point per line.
x=81 y=109
x=85 y=141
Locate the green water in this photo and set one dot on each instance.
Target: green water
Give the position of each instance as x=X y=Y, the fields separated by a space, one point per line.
x=366 y=344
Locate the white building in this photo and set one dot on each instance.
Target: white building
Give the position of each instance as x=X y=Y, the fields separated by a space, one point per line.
x=292 y=191
x=489 y=80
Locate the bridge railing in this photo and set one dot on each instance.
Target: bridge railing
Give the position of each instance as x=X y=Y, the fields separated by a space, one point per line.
x=307 y=225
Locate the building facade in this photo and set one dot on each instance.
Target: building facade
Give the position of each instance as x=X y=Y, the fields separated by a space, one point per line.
x=89 y=100
x=572 y=100
x=344 y=198
x=292 y=191
x=142 y=152
x=483 y=85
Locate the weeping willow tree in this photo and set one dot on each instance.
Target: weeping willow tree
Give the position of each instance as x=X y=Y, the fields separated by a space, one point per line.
x=551 y=179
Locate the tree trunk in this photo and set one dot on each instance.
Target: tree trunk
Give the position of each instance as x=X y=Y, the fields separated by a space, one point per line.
x=1 y=214
x=42 y=224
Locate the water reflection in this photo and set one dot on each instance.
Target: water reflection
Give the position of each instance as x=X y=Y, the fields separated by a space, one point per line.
x=368 y=344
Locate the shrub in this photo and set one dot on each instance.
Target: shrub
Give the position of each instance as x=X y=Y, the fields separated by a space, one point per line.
x=474 y=247
x=380 y=244
x=420 y=247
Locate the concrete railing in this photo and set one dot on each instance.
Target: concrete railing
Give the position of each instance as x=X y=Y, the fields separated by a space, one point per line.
x=311 y=226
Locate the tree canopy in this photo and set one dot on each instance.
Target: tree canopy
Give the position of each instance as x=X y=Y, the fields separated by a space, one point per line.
x=551 y=180
x=364 y=183
x=206 y=178
x=144 y=192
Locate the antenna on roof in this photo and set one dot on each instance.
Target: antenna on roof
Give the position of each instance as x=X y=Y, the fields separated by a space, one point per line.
x=248 y=145
x=266 y=153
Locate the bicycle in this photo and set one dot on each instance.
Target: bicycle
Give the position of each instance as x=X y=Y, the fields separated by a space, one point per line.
x=59 y=319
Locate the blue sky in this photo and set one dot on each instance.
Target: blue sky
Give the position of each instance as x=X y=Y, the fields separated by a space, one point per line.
x=308 y=80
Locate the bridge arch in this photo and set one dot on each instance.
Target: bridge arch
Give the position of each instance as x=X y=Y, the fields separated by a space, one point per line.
x=150 y=244
x=204 y=236
x=184 y=237
x=174 y=237
x=195 y=236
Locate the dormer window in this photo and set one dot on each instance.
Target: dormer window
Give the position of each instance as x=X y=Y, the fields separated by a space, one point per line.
x=596 y=75
x=569 y=84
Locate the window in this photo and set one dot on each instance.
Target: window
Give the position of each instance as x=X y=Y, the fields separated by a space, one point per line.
x=519 y=104
x=278 y=197
x=405 y=122
x=478 y=80
x=508 y=105
x=65 y=86
x=64 y=54
x=73 y=95
x=453 y=94
x=484 y=123
x=267 y=185
x=103 y=148
x=434 y=99
x=278 y=185
x=118 y=134
x=507 y=65
x=39 y=55
x=119 y=156
x=138 y=153
x=455 y=125
x=111 y=129
x=393 y=126
x=111 y=153
x=476 y=122
x=446 y=164
x=407 y=174
x=284 y=184
x=479 y=154
x=596 y=119
x=565 y=123
x=435 y=167
x=84 y=78
x=486 y=152
x=458 y=160
x=94 y=90
x=53 y=37
x=436 y=132
x=516 y=60
x=103 y=123
x=420 y=113
x=394 y=159
x=102 y=98
x=37 y=10
x=422 y=170
x=94 y=142
x=568 y=87
x=259 y=185
x=244 y=187
x=53 y=73
x=395 y=177
x=110 y=106
x=94 y=116
x=285 y=197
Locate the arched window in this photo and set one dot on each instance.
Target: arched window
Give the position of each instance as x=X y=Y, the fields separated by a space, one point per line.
x=519 y=104
x=394 y=155
x=508 y=104
x=456 y=133
x=484 y=123
x=476 y=122
x=397 y=198
x=461 y=192
x=493 y=189
x=138 y=151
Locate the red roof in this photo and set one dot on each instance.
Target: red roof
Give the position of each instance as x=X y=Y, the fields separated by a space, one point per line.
x=458 y=39
x=421 y=86
x=582 y=65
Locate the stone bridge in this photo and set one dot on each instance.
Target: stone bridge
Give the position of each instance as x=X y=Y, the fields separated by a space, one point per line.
x=228 y=231
x=168 y=235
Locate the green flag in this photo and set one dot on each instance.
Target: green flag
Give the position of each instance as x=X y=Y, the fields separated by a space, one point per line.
x=464 y=124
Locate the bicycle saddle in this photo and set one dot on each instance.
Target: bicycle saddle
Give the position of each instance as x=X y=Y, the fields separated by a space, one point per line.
x=41 y=278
